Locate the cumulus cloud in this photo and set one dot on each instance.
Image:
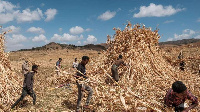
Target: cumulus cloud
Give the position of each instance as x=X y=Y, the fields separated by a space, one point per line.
x=66 y=37
x=90 y=40
x=37 y=30
x=13 y=28
x=169 y=21
x=39 y=38
x=187 y=33
x=16 y=38
x=154 y=10
x=28 y=16
x=76 y=30
x=6 y=11
x=14 y=42
x=50 y=13
x=107 y=15
x=5 y=18
x=10 y=12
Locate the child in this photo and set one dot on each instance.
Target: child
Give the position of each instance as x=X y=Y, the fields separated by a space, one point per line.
x=28 y=86
x=177 y=95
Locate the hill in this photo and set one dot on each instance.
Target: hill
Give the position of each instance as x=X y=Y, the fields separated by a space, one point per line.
x=180 y=42
x=58 y=46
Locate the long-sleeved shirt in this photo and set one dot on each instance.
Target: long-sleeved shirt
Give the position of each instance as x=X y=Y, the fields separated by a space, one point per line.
x=82 y=69
x=28 y=80
x=172 y=100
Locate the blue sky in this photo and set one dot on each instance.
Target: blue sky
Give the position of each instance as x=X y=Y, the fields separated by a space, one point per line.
x=38 y=22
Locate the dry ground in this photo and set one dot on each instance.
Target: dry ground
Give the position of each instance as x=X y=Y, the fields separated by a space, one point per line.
x=57 y=99
x=60 y=99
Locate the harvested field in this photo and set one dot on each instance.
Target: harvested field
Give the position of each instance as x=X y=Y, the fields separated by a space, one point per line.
x=142 y=86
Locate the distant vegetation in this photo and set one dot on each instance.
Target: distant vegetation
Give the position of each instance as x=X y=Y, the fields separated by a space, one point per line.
x=103 y=46
x=180 y=42
x=57 y=46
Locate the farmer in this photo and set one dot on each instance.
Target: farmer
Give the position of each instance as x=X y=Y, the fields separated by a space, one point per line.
x=28 y=86
x=25 y=67
x=58 y=65
x=75 y=63
x=177 y=95
x=182 y=63
x=81 y=74
x=114 y=67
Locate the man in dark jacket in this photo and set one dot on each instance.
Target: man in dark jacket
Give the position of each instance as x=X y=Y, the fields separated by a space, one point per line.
x=28 y=86
x=81 y=87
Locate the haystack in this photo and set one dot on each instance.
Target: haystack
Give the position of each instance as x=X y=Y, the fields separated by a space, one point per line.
x=9 y=81
x=144 y=82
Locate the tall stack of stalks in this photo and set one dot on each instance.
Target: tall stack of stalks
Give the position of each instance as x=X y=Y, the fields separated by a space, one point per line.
x=9 y=82
x=144 y=82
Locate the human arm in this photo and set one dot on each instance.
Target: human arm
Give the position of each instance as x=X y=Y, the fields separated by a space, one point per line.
x=192 y=98
x=167 y=100
x=25 y=67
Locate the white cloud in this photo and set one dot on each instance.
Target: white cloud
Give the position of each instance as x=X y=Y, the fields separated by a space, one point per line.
x=198 y=20
x=16 y=39
x=169 y=21
x=187 y=33
x=154 y=10
x=78 y=43
x=50 y=13
x=90 y=40
x=76 y=30
x=65 y=37
x=197 y=37
x=6 y=11
x=37 y=30
x=28 y=16
x=5 y=18
x=6 y=6
x=10 y=12
x=14 y=47
x=39 y=38
x=107 y=15
x=13 y=28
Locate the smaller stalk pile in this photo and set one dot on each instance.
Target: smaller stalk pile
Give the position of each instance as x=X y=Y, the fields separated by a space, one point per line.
x=9 y=82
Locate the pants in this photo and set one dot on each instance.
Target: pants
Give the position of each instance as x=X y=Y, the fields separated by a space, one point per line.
x=179 y=108
x=82 y=87
x=115 y=74
x=24 y=93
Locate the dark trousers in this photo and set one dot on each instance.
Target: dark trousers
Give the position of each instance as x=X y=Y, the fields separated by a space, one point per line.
x=179 y=108
x=24 y=93
x=115 y=74
x=82 y=87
